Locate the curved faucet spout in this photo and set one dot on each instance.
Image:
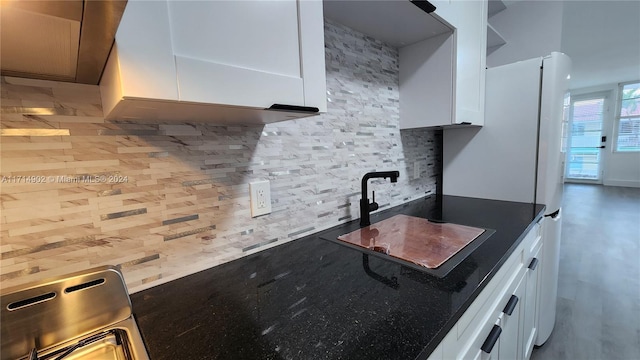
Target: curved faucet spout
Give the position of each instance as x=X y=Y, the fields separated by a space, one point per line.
x=365 y=206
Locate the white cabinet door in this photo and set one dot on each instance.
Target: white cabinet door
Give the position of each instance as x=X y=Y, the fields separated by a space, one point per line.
x=242 y=53
x=470 y=20
x=220 y=61
x=427 y=77
x=485 y=346
x=146 y=62
x=531 y=304
x=141 y=63
x=426 y=82
x=511 y=337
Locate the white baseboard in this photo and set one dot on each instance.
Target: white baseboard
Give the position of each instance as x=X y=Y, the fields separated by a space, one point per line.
x=623 y=183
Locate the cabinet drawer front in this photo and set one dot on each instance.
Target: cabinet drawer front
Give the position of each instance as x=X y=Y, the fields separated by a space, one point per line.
x=483 y=303
x=209 y=82
x=531 y=310
x=532 y=239
x=536 y=244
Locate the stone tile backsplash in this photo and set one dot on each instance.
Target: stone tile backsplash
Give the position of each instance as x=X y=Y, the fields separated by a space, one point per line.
x=165 y=200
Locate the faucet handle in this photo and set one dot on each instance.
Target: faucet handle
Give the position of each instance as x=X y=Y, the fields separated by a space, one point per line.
x=374 y=205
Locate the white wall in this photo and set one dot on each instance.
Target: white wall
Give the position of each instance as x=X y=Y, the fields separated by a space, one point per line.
x=531 y=29
x=619 y=168
x=623 y=169
x=603 y=40
x=601 y=37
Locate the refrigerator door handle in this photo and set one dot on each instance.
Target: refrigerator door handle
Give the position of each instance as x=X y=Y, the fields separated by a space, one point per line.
x=555 y=216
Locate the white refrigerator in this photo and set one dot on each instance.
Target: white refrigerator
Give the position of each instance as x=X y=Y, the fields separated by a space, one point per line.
x=517 y=155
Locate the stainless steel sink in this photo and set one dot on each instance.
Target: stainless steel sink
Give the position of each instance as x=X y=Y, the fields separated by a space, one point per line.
x=85 y=315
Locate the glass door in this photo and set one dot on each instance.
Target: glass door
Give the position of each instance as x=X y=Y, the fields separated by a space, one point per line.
x=585 y=143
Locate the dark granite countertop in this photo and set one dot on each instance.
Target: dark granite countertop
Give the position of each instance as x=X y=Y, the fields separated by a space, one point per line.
x=315 y=299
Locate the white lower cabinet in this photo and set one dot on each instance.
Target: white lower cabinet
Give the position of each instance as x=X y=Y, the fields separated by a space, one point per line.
x=511 y=321
x=530 y=323
x=500 y=323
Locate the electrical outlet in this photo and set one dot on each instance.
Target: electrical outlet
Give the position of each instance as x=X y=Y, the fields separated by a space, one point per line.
x=260 y=192
x=416 y=170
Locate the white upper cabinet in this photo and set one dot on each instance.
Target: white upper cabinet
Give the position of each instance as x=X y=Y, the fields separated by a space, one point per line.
x=219 y=61
x=427 y=75
x=426 y=46
x=471 y=38
x=140 y=66
x=468 y=48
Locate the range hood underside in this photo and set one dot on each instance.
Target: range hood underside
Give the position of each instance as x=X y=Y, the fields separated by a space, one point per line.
x=66 y=40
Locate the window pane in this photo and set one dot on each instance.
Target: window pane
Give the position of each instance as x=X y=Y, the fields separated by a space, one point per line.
x=629 y=134
x=630 y=107
x=630 y=91
x=587 y=110
x=630 y=100
x=586 y=126
x=629 y=118
x=584 y=164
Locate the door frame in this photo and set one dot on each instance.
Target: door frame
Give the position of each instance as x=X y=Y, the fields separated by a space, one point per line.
x=606 y=111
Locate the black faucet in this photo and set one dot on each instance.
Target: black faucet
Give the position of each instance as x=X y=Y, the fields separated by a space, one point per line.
x=365 y=206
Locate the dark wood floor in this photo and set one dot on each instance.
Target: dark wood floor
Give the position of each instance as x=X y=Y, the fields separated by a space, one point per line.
x=599 y=282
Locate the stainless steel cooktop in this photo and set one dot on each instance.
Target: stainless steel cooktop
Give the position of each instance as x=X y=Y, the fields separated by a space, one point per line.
x=85 y=315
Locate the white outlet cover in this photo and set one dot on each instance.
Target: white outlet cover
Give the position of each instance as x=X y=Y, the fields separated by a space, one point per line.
x=260 y=193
